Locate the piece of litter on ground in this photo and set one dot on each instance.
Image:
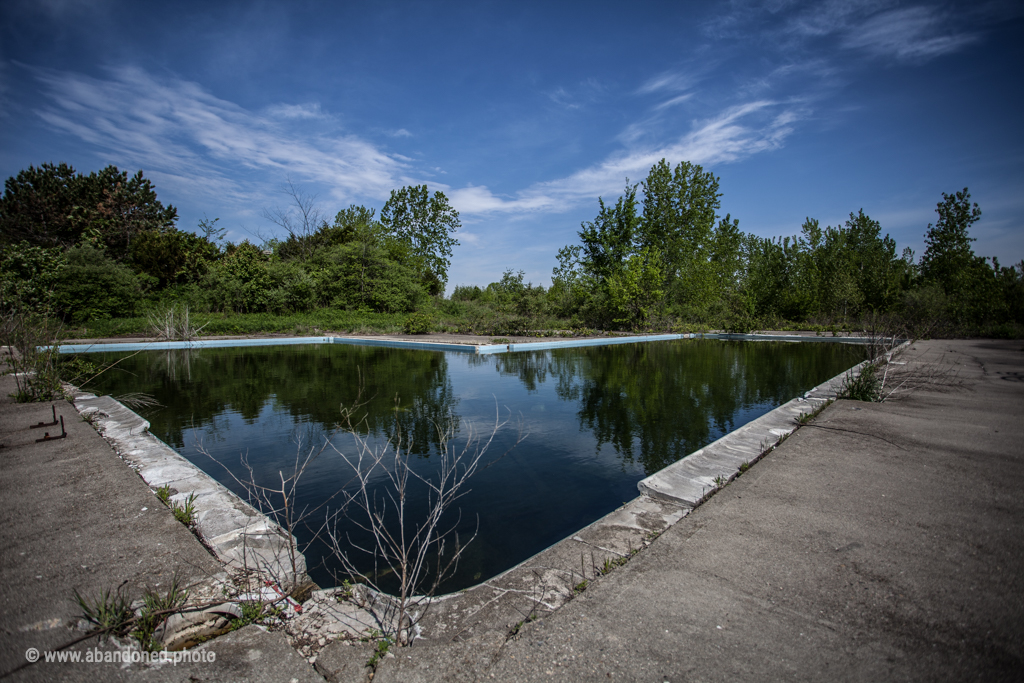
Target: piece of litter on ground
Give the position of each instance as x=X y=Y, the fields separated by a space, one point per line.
x=719 y=627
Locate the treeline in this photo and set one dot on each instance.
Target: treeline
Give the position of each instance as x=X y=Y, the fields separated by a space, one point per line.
x=88 y=248
x=670 y=258
x=98 y=246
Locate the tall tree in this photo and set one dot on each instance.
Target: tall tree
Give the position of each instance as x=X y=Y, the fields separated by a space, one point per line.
x=680 y=210
x=948 y=256
x=53 y=206
x=608 y=240
x=427 y=223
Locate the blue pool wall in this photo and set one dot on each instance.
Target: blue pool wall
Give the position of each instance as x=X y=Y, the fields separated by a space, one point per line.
x=436 y=346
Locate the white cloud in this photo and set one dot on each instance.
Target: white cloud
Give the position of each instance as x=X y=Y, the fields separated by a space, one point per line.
x=879 y=27
x=737 y=132
x=562 y=98
x=202 y=146
x=669 y=81
x=678 y=99
x=295 y=111
x=400 y=133
x=584 y=93
x=913 y=34
x=178 y=130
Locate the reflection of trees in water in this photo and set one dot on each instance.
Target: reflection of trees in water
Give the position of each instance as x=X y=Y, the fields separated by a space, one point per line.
x=531 y=367
x=656 y=403
x=404 y=393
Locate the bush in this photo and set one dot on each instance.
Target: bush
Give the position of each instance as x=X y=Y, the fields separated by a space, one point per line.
x=511 y=325
x=418 y=323
x=866 y=386
x=28 y=276
x=94 y=287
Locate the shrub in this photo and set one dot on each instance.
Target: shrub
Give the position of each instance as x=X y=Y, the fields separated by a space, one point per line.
x=93 y=287
x=867 y=386
x=418 y=323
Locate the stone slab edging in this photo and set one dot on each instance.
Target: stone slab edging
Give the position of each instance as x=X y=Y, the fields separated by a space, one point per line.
x=690 y=480
x=237 y=534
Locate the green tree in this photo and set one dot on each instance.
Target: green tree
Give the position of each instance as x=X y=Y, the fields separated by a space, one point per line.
x=93 y=286
x=241 y=280
x=679 y=213
x=636 y=290
x=53 y=206
x=173 y=257
x=28 y=277
x=427 y=224
x=608 y=240
x=948 y=255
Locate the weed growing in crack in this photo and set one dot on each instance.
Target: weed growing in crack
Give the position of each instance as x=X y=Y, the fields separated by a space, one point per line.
x=186 y=512
x=155 y=610
x=514 y=631
x=345 y=591
x=611 y=563
x=255 y=612
x=866 y=386
x=110 y=612
x=164 y=494
x=381 y=650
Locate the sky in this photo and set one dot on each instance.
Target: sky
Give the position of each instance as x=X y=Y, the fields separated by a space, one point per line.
x=524 y=113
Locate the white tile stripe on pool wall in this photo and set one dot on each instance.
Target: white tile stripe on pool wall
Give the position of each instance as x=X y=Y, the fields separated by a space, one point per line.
x=435 y=346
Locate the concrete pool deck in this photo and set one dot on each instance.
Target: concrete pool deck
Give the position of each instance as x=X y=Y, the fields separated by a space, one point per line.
x=881 y=543
x=76 y=517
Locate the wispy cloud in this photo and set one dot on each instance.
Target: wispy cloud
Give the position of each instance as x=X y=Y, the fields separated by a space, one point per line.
x=678 y=99
x=183 y=135
x=580 y=95
x=176 y=129
x=295 y=111
x=735 y=133
x=400 y=133
x=880 y=28
x=912 y=34
x=669 y=81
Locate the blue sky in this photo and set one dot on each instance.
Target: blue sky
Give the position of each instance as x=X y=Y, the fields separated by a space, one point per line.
x=524 y=113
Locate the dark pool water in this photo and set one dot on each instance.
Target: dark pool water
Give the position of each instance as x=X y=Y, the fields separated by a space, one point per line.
x=598 y=420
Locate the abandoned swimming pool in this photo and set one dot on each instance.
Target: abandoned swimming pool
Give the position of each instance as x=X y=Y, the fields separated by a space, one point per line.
x=596 y=420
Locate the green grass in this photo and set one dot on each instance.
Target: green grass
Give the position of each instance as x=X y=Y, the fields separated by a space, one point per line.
x=255 y=612
x=452 y=317
x=299 y=324
x=111 y=611
x=186 y=512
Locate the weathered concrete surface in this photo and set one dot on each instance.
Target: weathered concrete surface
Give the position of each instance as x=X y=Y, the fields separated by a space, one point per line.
x=249 y=655
x=238 y=534
x=76 y=517
x=883 y=543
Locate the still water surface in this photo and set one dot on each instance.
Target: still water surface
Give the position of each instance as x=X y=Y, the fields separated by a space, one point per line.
x=597 y=419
